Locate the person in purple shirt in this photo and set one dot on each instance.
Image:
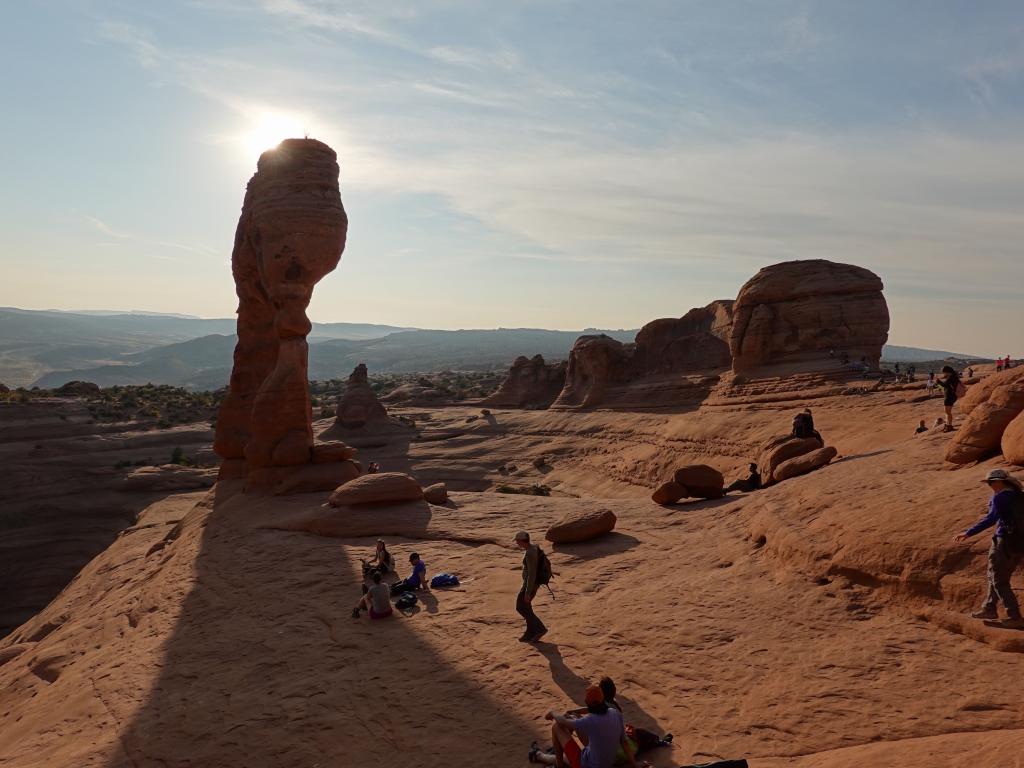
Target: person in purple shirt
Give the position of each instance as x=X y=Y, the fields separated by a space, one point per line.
x=417 y=580
x=1003 y=557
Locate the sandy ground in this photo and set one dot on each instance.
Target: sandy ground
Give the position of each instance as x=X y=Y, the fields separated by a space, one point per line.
x=816 y=623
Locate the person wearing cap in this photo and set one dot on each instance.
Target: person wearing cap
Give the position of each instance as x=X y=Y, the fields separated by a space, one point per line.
x=1003 y=557
x=601 y=733
x=535 y=628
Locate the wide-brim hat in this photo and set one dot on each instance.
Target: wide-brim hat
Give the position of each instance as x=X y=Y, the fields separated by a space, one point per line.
x=1002 y=476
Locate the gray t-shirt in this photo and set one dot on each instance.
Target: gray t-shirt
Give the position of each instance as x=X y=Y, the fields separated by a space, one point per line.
x=603 y=732
x=380 y=598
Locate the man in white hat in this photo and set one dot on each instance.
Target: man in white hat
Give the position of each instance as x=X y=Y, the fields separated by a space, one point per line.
x=1005 y=509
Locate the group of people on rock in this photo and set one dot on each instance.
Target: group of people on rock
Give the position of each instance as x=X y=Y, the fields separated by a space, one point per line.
x=1003 y=364
x=376 y=599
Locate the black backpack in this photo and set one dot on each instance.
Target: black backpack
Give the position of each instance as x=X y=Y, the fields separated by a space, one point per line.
x=803 y=425
x=544 y=572
x=1015 y=530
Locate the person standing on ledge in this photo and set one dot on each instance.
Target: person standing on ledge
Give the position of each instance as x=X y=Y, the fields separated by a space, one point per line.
x=535 y=628
x=952 y=390
x=1006 y=512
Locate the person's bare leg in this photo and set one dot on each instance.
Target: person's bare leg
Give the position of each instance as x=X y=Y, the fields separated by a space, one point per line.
x=949 y=417
x=559 y=737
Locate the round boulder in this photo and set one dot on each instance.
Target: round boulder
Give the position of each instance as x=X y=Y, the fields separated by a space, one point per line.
x=377 y=488
x=436 y=493
x=700 y=480
x=1013 y=441
x=783 y=449
x=581 y=526
x=805 y=463
x=669 y=493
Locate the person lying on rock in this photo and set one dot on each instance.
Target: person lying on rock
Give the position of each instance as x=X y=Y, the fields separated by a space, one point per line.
x=376 y=600
x=750 y=483
x=382 y=561
x=601 y=734
x=1006 y=513
x=417 y=580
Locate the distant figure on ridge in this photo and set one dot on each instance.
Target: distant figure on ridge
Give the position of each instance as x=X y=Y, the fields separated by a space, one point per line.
x=532 y=562
x=920 y=428
x=601 y=732
x=1006 y=512
x=376 y=600
x=952 y=390
x=750 y=483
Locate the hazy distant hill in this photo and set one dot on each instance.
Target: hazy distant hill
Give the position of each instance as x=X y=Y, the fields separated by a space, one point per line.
x=892 y=353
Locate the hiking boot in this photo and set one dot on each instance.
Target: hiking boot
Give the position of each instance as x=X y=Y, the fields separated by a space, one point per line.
x=525 y=637
x=1011 y=622
x=985 y=613
x=536 y=638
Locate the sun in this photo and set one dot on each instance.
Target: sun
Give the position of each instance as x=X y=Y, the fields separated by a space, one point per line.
x=268 y=129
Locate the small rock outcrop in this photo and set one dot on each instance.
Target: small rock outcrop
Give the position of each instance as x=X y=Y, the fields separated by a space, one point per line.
x=991 y=407
x=781 y=449
x=795 y=312
x=700 y=480
x=669 y=493
x=581 y=526
x=531 y=383
x=359 y=406
x=436 y=493
x=377 y=489
x=291 y=233
x=807 y=462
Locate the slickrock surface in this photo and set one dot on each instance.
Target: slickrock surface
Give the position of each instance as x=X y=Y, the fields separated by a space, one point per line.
x=796 y=311
x=290 y=234
x=531 y=383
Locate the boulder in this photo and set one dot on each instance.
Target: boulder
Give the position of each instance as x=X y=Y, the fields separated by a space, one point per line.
x=781 y=449
x=699 y=340
x=305 y=478
x=669 y=493
x=980 y=433
x=359 y=406
x=982 y=391
x=377 y=488
x=795 y=312
x=436 y=493
x=1013 y=441
x=700 y=480
x=531 y=383
x=805 y=463
x=581 y=526
x=325 y=453
x=290 y=234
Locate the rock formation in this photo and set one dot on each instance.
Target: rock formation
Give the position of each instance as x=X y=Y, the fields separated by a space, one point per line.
x=991 y=406
x=699 y=340
x=436 y=493
x=595 y=362
x=531 y=383
x=581 y=525
x=290 y=234
x=700 y=480
x=781 y=449
x=793 y=313
x=359 y=406
x=807 y=462
x=1012 y=441
x=376 y=489
x=669 y=493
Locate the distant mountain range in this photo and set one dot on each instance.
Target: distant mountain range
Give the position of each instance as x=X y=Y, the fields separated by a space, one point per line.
x=49 y=348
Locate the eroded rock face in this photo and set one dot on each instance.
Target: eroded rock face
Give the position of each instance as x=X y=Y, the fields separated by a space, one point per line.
x=531 y=383
x=981 y=432
x=1012 y=441
x=290 y=234
x=359 y=405
x=595 y=362
x=699 y=340
x=793 y=313
x=581 y=526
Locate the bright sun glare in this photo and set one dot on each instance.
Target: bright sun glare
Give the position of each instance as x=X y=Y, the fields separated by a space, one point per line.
x=268 y=129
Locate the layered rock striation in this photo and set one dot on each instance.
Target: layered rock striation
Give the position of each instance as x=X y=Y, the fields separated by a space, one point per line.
x=531 y=383
x=290 y=234
x=796 y=312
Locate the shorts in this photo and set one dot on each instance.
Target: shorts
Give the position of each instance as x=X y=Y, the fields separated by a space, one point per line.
x=949 y=400
x=375 y=615
x=572 y=753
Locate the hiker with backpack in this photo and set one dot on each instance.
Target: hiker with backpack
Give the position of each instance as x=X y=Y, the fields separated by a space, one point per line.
x=601 y=732
x=536 y=573
x=952 y=390
x=417 y=579
x=1006 y=513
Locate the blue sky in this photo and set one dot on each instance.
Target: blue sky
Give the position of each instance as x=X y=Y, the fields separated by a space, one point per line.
x=541 y=164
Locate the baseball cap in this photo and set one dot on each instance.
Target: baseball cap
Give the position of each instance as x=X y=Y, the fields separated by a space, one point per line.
x=522 y=536
x=594 y=695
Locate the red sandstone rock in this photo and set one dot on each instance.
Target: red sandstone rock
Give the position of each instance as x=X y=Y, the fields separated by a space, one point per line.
x=805 y=463
x=981 y=433
x=700 y=480
x=781 y=449
x=1012 y=441
x=306 y=478
x=436 y=493
x=796 y=311
x=290 y=234
x=531 y=383
x=359 y=405
x=377 y=488
x=669 y=493
x=698 y=340
x=324 y=453
x=581 y=526
x=594 y=363
x=982 y=391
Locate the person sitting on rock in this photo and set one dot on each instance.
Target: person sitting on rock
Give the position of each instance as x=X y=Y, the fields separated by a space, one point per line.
x=920 y=428
x=383 y=562
x=417 y=580
x=373 y=468
x=601 y=734
x=1006 y=512
x=750 y=483
x=376 y=600
x=803 y=425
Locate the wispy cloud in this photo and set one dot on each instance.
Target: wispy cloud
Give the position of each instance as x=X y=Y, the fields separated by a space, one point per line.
x=123 y=237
